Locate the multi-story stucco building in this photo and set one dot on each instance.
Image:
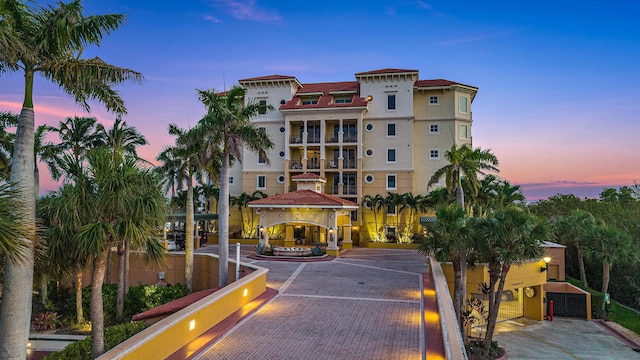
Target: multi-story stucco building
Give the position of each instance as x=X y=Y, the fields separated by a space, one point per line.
x=385 y=132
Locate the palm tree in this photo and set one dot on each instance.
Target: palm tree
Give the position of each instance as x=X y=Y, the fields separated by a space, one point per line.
x=7 y=119
x=189 y=150
x=47 y=41
x=12 y=240
x=228 y=130
x=506 y=237
x=375 y=203
x=77 y=136
x=575 y=230
x=448 y=240
x=469 y=162
x=241 y=202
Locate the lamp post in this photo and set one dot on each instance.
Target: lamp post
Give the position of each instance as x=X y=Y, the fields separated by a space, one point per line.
x=331 y=237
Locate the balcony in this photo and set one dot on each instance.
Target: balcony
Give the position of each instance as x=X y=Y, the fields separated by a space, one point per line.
x=331 y=164
x=296 y=165
x=313 y=139
x=295 y=139
x=334 y=189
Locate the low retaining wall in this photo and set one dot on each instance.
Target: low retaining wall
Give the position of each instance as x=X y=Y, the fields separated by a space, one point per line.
x=169 y=335
x=381 y=245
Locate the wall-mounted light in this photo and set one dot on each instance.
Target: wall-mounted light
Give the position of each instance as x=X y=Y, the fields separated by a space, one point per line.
x=192 y=324
x=331 y=233
x=261 y=231
x=245 y=292
x=547 y=260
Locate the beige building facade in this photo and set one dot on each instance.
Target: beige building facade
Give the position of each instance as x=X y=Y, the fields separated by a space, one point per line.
x=384 y=132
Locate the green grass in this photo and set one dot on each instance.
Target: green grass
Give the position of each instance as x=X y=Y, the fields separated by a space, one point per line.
x=619 y=313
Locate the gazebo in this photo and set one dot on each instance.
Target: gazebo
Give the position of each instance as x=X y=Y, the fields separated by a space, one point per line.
x=328 y=215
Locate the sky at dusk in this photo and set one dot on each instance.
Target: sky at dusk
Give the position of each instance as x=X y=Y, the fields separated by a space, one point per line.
x=559 y=92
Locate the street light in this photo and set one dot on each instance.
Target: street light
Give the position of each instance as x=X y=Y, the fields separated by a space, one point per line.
x=547 y=260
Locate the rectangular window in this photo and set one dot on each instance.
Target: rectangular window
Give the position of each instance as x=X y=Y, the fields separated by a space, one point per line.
x=391 y=155
x=262 y=158
x=391 y=230
x=230 y=180
x=342 y=101
x=463 y=104
x=391 y=101
x=391 y=182
x=354 y=215
x=262 y=107
x=391 y=129
x=434 y=128
x=434 y=154
x=262 y=182
x=463 y=132
x=433 y=100
x=309 y=102
x=391 y=210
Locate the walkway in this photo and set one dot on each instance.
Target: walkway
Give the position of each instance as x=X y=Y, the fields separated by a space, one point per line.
x=363 y=305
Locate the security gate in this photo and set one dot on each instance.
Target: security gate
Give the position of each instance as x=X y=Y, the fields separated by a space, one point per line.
x=568 y=305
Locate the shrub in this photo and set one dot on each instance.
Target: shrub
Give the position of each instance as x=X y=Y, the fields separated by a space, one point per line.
x=45 y=321
x=317 y=251
x=113 y=336
x=260 y=249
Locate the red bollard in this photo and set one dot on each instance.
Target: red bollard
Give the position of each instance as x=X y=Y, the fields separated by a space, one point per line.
x=550 y=310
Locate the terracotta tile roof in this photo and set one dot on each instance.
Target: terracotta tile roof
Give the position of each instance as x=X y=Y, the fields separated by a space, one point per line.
x=326 y=100
x=174 y=306
x=304 y=198
x=327 y=87
x=385 y=71
x=307 y=176
x=268 y=77
x=439 y=83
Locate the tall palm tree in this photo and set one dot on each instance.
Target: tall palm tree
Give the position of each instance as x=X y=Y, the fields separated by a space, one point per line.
x=47 y=41
x=7 y=120
x=241 y=202
x=468 y=163
x=12 y=239
x=575 y=230
x=228 y=130
x=506 y=237
x=446 y=237
x=189 y=150
x=77 y=136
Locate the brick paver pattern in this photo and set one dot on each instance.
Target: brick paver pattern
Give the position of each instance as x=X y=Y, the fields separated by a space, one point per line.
x=364 y=305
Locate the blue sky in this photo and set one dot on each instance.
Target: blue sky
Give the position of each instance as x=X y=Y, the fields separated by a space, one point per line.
x=558 y=98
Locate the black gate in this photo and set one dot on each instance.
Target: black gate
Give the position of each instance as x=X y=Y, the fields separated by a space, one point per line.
x=568 y=305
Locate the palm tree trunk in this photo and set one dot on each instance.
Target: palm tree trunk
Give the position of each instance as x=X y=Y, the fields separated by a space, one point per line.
x=79 y=312
x=223 y=222
x=494 y=306
x=120 y=291
x=583 y=273
x=44 y=282
x=606 y=275
x=18 y=277
x=126 y=267
x=457 y=295
x=188 y=267
x=97 y=311
x=462 y=290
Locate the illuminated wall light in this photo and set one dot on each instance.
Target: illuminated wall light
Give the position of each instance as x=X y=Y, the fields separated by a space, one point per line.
x=245 y=292
x=192 y=324
x=428 y=292
x=28 y=344
x=431 y=317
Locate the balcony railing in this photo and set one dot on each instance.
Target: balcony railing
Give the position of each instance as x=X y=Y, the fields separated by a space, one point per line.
x=349 y=164
x=331 y=139
x=331 y=164
x=350 y=138
x=296 y=165
x=334 y=189
x=295 y=139
x=313 y=139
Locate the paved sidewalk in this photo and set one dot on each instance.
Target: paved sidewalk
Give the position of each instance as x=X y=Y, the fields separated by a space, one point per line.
x=363 y=305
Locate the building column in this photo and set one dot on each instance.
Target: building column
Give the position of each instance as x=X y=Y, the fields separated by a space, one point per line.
x=332 y=236
x=346 y=237
x=263 y=235
x=289 y=240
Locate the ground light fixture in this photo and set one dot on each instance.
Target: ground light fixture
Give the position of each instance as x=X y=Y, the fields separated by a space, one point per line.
x=547 y=260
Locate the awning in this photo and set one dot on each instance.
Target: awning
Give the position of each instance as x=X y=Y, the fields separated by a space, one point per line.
x=425 y=220
x=197 y=217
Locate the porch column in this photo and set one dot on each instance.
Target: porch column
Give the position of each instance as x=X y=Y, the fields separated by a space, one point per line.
x=346 y=237
x=332 y=236
x=289 y=240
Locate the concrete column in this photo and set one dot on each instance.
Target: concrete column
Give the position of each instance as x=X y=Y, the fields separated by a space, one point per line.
x=346 y=237
x=332 y=236
x=264 y=236
x=289 y=240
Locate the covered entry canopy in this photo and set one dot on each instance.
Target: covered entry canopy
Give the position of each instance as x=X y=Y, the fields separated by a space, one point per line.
x=307 y=205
